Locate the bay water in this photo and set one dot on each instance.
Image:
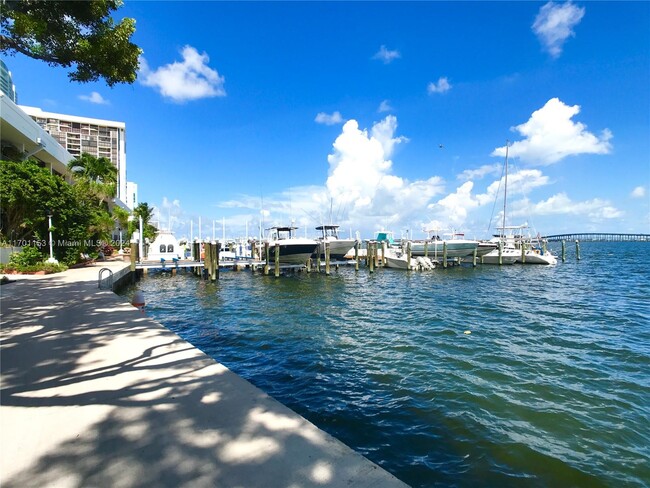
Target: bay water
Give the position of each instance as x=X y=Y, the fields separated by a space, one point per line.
x=519 y=375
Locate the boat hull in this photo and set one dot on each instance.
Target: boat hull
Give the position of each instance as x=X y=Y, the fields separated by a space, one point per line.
x=534 y=257
x=435 y=249
x=292 y=253
x=508 y=256
x=338 y=248
x=397 y=260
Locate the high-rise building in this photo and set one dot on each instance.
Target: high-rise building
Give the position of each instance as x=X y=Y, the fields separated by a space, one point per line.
x=131 y=195
x=97 y=137
x=6 y=82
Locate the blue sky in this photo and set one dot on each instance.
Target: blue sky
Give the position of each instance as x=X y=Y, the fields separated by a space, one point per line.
x=394 y=115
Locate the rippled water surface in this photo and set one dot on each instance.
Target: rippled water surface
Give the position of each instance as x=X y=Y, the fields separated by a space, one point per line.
x=551 y=388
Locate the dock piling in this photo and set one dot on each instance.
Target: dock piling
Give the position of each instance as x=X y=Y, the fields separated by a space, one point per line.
x=356 y=255
x=578 y=249
x=444 y=254
x=277 y=260
x=327 y=258
x=563 y=250
x=408 y=255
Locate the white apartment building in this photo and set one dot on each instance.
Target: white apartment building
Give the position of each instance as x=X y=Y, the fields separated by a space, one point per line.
x=100 y=138
x=131 y=195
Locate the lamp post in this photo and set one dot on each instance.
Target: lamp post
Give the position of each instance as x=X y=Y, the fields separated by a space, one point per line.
x=49 y=228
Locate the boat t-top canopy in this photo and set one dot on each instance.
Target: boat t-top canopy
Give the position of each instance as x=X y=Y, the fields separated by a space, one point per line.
x=283 y=229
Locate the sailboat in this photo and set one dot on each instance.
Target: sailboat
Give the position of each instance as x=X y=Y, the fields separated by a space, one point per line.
x=514 y=247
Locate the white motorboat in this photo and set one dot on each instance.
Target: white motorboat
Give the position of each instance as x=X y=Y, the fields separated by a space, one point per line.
x=338 y=247
x=518 y=249
x=165 y=246
x=396 y=258
x=434 y=247
x=293 y=250
x=485 y=247
x=507 y=255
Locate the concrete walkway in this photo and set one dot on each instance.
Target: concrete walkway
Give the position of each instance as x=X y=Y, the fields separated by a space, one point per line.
x=95 y=394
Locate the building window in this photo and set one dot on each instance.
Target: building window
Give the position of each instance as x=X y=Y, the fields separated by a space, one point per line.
x=162 y=248
x=170 y=248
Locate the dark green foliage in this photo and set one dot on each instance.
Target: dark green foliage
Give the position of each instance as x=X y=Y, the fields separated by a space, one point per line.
x=66 y=33
x=80 y=220
x=146 y=212
x=28 y=256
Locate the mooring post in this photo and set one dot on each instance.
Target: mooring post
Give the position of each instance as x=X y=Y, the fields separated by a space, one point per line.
x=500 y=253
x=207 y=265
x=277 y=260
x=523 y=251
x=384 y=246
x=356 y=255
x=563 y=250
x=134 y=255
x=578 y=249
x=327 y=258
x=474 y=255
x=217 y=249
x=371 y=258
x=267 y=258
x=408 y=255
x=375 y=254
x=444 y=254
x=426 y=248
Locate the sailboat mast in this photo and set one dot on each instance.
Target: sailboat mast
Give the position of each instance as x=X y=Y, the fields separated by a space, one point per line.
x=505 y=193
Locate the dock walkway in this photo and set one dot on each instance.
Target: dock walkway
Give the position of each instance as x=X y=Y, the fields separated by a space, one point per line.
x=94 y=393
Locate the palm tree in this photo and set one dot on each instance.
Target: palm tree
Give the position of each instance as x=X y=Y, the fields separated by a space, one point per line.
x=146 y=212
x=99 y=173
x=95 y=170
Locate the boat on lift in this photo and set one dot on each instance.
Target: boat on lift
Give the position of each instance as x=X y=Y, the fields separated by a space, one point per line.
x=165 y=247
x=433 y=246
x=398 y=259
x=293 y=250
x=338 y=247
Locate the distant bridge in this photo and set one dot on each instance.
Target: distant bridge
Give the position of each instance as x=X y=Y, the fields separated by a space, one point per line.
x=598 y=236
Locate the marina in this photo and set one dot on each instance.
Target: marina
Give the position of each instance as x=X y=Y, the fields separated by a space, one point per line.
x=494 y=375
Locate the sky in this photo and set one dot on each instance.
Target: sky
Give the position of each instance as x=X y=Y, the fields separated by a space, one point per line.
x=380 y=115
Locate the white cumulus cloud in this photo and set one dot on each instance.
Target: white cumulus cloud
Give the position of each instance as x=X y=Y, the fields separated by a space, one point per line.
x=441 y=86
x=360 y=174
x=329 y=119
x=520 y=182
x=94 y=97
x=386 y=55
x=560 y=204
x=384 y=106
x=454 y=208
x=190 y=79
x=477 y=174
x=554 y=25
x=638 y=192
x=551 y=135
